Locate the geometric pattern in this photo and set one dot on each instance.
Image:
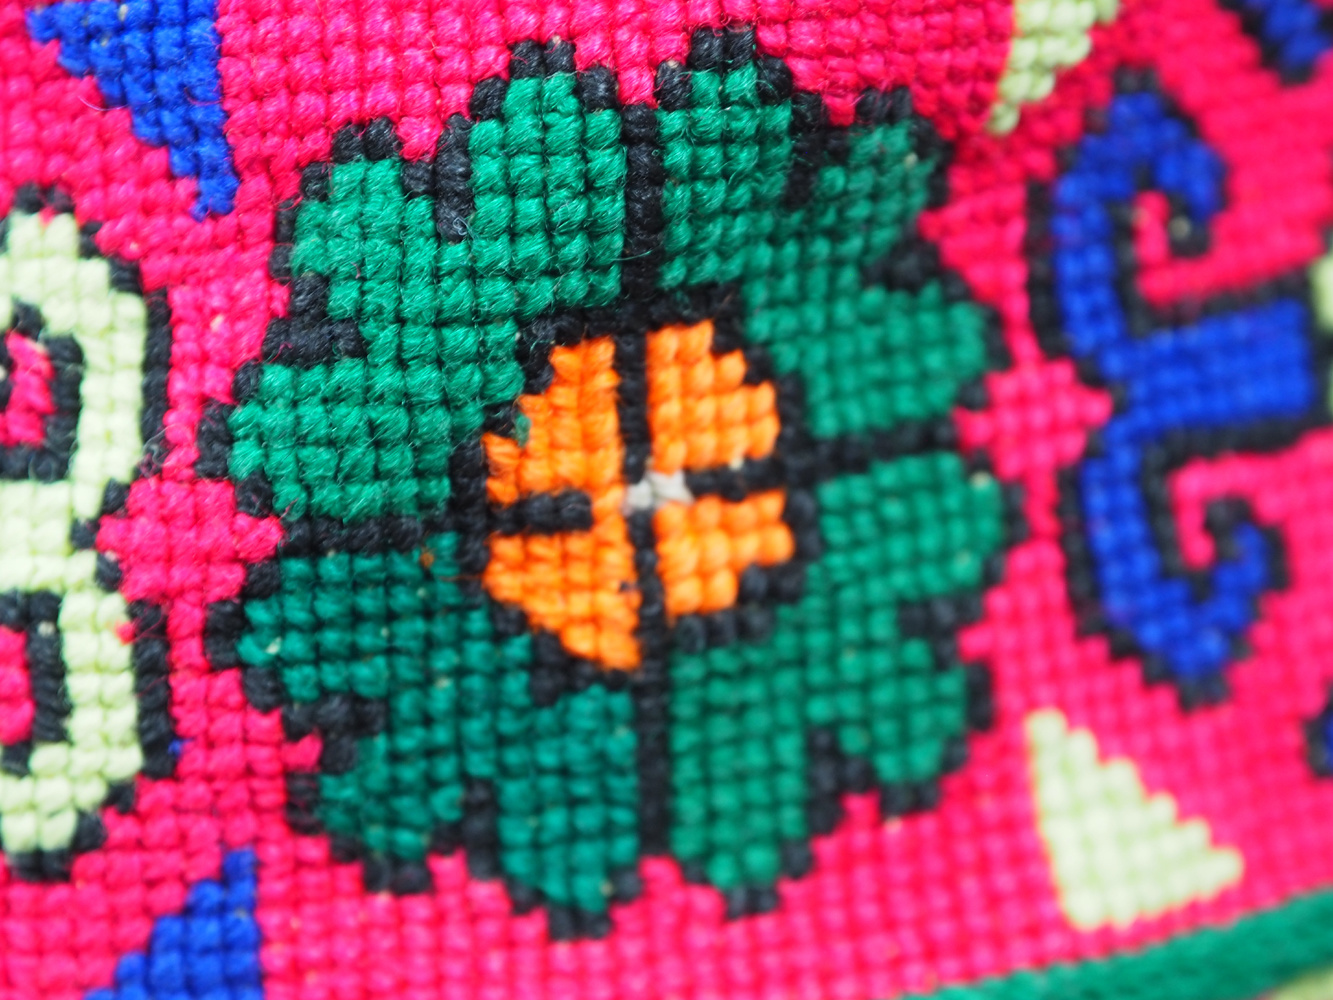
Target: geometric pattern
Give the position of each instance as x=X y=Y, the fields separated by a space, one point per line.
x=1117 y=854
x=159 y=61
x=728 y=499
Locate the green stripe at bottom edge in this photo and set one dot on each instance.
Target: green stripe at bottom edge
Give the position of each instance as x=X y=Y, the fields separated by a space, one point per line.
x=1237 y=961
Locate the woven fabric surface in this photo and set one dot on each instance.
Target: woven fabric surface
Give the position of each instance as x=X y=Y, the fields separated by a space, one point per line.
x=712 y=500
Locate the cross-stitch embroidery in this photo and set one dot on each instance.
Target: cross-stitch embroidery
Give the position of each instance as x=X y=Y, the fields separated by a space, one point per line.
x=555 y=499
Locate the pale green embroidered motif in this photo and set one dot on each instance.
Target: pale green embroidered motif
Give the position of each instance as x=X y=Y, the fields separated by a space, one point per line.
x=1049 y=35
x=41 y=266
x=1117 y=853
x=1315 y=986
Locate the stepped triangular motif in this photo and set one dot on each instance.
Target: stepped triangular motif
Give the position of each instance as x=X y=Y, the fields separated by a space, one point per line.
x=208 y=951
x=160 y=61
x=1117 y=853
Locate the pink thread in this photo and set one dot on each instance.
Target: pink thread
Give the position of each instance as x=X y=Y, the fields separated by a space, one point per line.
x=960 y=893
x=16 y=704
x=29 y=375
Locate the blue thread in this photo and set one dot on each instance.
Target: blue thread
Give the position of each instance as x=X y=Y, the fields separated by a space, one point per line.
x=1292 y=33
x=1228 y=372
x=1324 y=731
x=208 y=952
x=159 y=58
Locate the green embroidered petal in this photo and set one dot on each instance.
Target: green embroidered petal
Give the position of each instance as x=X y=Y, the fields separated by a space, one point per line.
x=744 y=203
x=357 y=437
x=758 y=728
x=414 y=657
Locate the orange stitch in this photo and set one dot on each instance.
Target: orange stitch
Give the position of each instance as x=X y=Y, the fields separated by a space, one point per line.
x=580 y=585
x=704 y=547
x=700 y=412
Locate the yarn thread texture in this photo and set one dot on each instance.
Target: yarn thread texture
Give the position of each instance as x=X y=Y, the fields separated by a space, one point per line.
x=535 y=499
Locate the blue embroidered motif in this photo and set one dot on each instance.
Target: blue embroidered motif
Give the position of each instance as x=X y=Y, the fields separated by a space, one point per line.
x=1292 y=33
x=1229 y=376
x=159 y=58
x=208 y=952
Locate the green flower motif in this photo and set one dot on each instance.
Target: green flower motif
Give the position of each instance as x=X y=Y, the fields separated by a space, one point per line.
x=426 y=298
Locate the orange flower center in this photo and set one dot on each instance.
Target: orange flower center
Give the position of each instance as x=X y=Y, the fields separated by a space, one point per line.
x=582 y=585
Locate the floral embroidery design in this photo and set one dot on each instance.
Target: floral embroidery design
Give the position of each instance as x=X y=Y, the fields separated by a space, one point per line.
x=559 y=510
